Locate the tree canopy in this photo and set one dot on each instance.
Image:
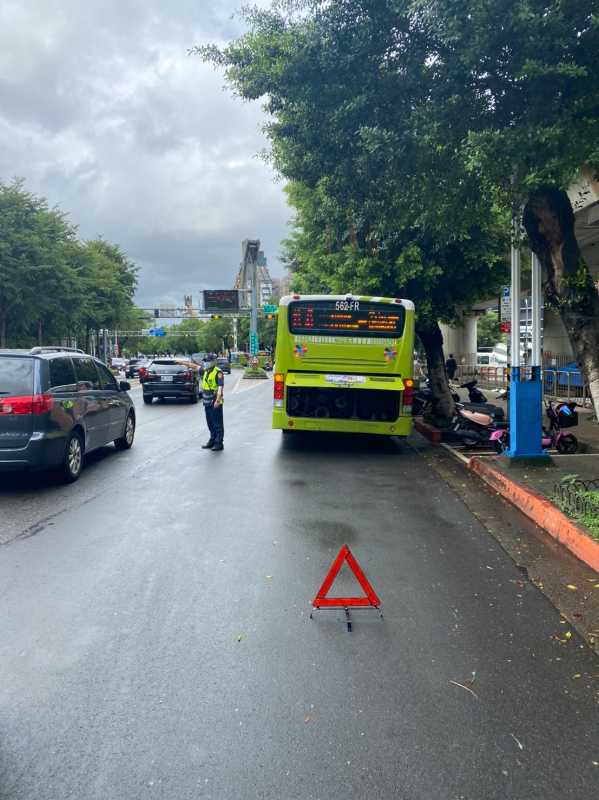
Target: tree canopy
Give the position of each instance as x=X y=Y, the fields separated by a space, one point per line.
x=54 y=287
x=412 y=130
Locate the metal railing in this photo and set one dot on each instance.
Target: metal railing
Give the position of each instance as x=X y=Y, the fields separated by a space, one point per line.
x=558 y=384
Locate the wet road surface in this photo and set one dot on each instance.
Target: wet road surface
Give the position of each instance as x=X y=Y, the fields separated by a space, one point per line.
x=156 y=639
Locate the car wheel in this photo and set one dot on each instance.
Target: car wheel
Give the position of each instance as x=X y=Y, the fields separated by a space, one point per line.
x=148 y=398
x=195 y=396
x=72 y=462
x=126 y=440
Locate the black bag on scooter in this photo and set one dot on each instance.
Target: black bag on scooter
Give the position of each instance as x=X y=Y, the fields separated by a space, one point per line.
x=567 y=415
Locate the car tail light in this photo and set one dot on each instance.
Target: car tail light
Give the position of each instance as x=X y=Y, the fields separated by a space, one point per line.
x=408 y=395
x=142 y=373
x=187 y=376
x=279 y=389
x=26 y=404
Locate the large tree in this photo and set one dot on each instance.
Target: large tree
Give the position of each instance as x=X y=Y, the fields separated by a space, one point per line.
x=336 y=103
x=34 y=269
x=432 y=113
x=443 y=279
x=52 y=286
x=514 y=90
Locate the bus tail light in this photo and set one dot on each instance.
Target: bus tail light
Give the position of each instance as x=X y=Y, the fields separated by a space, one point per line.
x=279 y=389
x=408 y=395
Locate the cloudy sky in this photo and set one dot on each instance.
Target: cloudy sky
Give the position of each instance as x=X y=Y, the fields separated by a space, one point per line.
x=103 y=112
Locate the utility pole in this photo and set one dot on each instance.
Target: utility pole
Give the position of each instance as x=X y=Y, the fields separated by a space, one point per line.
x=235 y=344
x=526 y=395
x=249 y=278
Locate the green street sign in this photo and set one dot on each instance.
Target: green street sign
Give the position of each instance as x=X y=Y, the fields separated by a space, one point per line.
x=270 y=309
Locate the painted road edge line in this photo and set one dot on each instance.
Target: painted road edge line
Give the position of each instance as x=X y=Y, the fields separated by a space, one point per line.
x=537 y=508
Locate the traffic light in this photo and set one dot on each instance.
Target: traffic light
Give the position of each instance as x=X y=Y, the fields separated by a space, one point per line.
x=215 y=316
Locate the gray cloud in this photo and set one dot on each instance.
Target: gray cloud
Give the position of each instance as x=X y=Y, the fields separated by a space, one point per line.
x=104 y=113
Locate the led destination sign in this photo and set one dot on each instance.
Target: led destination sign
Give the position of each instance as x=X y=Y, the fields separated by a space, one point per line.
x=346 y=318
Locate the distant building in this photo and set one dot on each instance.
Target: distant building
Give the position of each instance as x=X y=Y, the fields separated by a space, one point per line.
x=265 y=282
x=281 y=287
x=188 y=309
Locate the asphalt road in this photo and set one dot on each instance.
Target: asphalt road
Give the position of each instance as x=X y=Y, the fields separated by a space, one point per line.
x=156 y=639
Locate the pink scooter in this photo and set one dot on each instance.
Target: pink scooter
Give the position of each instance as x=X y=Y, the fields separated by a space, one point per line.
x=561 y=416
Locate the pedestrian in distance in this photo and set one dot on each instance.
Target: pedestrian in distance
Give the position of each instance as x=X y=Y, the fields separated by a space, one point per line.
x=213 y=382
x=451 y=365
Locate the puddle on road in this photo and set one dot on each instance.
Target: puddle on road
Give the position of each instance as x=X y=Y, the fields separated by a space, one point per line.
x=328 y=534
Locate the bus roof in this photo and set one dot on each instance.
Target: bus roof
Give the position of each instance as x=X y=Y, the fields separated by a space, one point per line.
x=289 y=298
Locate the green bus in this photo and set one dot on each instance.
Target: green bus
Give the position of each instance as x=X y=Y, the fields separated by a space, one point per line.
x=344 y=363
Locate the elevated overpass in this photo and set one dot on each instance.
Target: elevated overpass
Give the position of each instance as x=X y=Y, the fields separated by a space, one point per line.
x=584 y=195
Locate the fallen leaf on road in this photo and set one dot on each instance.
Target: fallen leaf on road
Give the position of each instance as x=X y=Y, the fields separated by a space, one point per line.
x=571 y=586
x=575 y=677
x=307 y=719
x=518 y=742
x=568 y=634
x=240 y=637
x=467 y=688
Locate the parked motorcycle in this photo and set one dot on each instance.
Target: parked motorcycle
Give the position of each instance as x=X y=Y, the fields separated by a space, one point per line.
x=474 y=394
x=477 y=401
x=560 y=416
x=474 y=428
x=423 y=397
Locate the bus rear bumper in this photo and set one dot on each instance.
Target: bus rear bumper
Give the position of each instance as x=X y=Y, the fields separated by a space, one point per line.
x=400 y=427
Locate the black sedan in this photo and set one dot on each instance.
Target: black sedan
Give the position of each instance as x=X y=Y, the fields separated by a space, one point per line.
x=134 y=366
x=166 y=377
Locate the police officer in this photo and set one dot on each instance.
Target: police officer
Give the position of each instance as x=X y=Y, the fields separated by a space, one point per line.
x=213 y=382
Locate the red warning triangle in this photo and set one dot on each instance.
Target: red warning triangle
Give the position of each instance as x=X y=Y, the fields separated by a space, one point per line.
x=322 y=601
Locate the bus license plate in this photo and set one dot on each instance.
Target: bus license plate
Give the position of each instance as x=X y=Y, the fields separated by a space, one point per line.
x=345 y=378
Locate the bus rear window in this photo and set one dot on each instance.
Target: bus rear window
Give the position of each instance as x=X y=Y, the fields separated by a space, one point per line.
x=347 y=318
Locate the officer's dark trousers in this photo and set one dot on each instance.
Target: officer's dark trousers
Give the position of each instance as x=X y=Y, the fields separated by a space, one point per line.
x=216 y=425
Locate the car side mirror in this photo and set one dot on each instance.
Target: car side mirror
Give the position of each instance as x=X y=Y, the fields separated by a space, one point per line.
x=124 y=386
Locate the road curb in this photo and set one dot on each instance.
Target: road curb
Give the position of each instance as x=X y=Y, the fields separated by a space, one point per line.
x=541 y=511
x=428 y=431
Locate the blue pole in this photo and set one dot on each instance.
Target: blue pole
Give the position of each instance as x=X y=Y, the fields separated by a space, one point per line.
x=526 y=392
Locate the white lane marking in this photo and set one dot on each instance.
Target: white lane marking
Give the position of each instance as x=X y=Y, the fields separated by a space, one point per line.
x=245 y=384
x=464 y=459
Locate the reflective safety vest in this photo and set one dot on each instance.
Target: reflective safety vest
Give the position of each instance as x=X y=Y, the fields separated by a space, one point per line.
x=209 y=385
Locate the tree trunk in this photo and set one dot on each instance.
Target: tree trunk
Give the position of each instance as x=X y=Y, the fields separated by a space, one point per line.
x=549 y=223
x=39 y=332
x=432 y=341
x=2 y=327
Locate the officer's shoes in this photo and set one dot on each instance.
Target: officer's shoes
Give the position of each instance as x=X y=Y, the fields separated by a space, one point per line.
x=208 y=446
x=218 y=447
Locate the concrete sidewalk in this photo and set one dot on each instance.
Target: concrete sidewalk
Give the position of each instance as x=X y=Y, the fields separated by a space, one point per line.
x=532 y=489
